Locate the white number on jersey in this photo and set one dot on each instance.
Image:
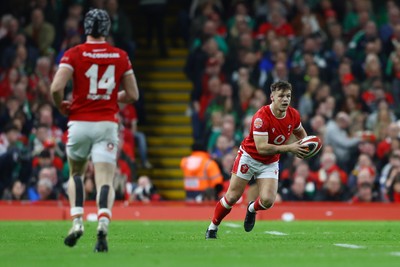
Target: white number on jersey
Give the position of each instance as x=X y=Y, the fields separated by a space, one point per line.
x=107 y=81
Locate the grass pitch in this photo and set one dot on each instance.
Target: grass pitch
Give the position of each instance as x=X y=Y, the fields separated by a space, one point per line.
x=166 y=243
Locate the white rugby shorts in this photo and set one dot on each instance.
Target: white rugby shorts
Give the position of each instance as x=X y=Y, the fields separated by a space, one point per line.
x=96 y=139
x=246 y=167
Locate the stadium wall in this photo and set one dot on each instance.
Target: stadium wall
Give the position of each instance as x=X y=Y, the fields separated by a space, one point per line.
x=204 y=211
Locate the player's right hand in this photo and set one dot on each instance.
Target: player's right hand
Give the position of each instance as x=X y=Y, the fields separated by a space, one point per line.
x=299 y=150
x=65 y=107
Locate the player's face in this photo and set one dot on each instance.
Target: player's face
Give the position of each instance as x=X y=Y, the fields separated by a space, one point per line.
x=281 y=99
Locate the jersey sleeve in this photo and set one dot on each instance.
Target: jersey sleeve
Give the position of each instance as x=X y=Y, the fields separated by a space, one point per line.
x=297 y=120
x=68 y=59
x=259 y=124
x=128 y=65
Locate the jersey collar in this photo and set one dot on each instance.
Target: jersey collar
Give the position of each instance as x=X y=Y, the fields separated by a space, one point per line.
x=96 y=42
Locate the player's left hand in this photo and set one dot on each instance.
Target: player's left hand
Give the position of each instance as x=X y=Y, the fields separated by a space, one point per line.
x=65 y=107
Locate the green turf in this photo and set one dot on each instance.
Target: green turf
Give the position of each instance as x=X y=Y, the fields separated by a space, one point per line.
x=158 y=243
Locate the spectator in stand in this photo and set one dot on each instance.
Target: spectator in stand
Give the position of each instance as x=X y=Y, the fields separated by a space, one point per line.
x=42 y=191
x=11 y=157
x=337 y=137
x=316 y=125
x=333 y=189
x=228 y=130
x=364 y=162
x=394 y=188
x=10 y=29
x=40 y=80
x=277 y=23
x=17 y=192
x=380 y=119
x=390 y=168
x=297 y=190
x=200 y=12
x=306 y=16
x=367 y=175
x=356 y=18
x=209 y=92
x=223 y=146
x=41 y=32
x=224 y=103
x=71 y=37
x=121 y=28
x=364 y=194
x=306 y=101
x=358 y=44
x=47 y=186
x=202 y=176
x=130 y=122
x=209 y=29
x=386 y=31
x=21 y=54
x=237 y=30
x=280 y=72
x=144 y=191
x=327 y=167
x=384 y=146
x=8 y=83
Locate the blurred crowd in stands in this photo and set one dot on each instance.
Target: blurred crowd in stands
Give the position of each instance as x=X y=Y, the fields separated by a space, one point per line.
x=342 y=58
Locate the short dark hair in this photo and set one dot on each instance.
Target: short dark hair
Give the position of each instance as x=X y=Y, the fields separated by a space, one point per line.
x=281 y=85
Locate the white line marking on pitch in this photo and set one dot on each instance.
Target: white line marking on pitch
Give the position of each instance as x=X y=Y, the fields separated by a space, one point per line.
x=233 y=225
x=349 y=246
x=275 y=233
x=395 y=253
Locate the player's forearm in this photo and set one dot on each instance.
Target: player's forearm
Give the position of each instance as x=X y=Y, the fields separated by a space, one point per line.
x=123 y=97
x=270 y=149
x=58 y=97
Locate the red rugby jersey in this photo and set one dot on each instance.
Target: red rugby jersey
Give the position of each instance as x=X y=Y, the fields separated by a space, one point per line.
x=278 y=130
x=98 y=70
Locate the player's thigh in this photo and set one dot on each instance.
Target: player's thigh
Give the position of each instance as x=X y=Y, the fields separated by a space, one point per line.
x=236 y=188
x=105 y=144
x=267 y=189
x=78 y=146
x=104 y=173
x=77 y=167
x=267 y=180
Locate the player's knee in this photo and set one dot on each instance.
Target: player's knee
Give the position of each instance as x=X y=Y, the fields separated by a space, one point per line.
x=267 y=201
x=232 y=197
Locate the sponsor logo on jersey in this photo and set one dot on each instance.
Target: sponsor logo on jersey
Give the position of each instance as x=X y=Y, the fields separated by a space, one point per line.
x=244 y=168
x=98 y=97
x=258 y=123
x=100 y=55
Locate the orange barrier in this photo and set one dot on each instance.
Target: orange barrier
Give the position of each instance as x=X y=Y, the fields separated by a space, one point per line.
x=193 y=211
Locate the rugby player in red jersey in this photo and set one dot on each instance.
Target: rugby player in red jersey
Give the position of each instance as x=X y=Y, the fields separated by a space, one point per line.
x=97 y=70
x=258 y=156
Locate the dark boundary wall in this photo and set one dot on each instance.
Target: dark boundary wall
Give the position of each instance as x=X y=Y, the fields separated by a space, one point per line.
x=204 y=211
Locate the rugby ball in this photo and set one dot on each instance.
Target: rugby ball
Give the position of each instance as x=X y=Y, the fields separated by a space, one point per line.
x=314 y=145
